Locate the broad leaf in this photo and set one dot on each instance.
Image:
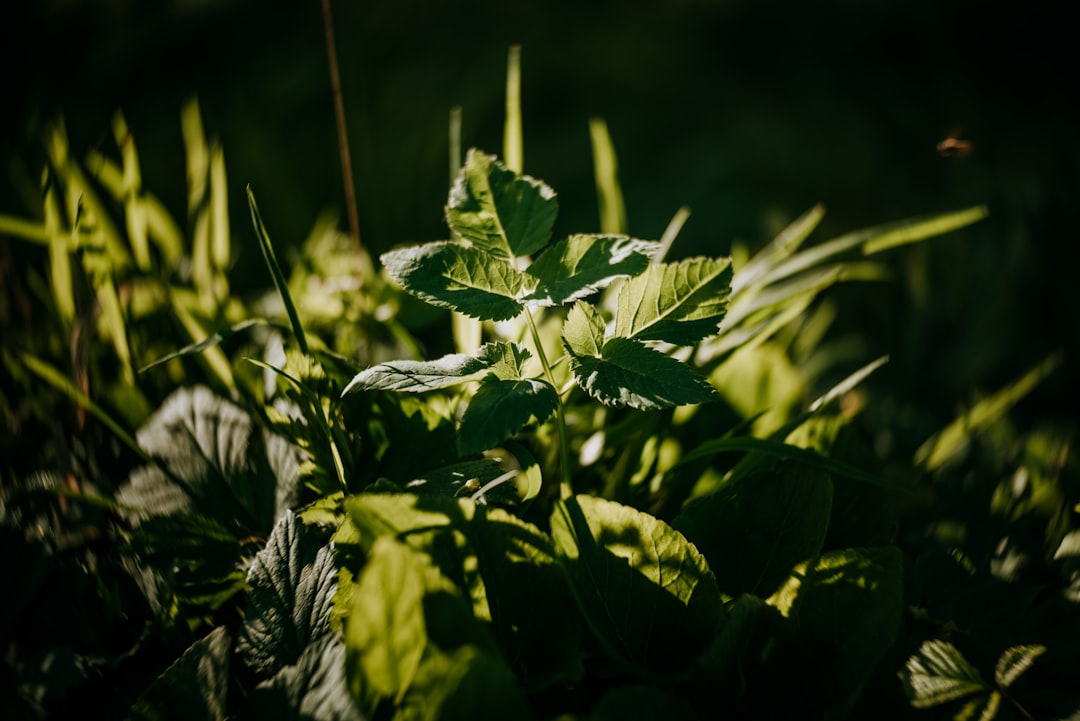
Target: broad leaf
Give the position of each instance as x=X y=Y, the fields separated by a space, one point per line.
x=501 y=213
x=629 y=373
x=212 y=458
x=939 y=673
x=194 y=687
x=583 y=331
x=645 y=591
x=420 y=376
x=292 y=584
x=501 y=408
x=580 y=265
x=680 y=303
x=848 y=602
x=452 y=275
x=1014 y=662
x=533 y=614
x=312 y=689
x=755 y=529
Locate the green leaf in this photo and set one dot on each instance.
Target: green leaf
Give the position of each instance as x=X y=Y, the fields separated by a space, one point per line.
x=420 y=376
x=533 y=614
x=583 y=331
x=580 y=265
x=499 y=212
x=194 y=687
x=849 y=602
x=210 y=457
x=939 y=673
x=1014 y=662
x=641 y=703
x=756 y=528
x=629 y=373
x=312 y=689
x=451 y=275
x=680 y=303
x=645 y=591
x=291 y=590
x=501 y=408
x=276 y=273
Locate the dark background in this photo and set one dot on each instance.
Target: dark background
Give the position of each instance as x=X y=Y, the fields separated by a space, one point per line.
x=747 y=112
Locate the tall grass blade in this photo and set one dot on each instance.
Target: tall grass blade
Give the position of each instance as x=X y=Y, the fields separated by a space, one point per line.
x=276 y=274
x=513 y=143
x=65 y=385
x=214 y=356
x=786 y=243
x=23 y=229
x=59 y=254
x=134 y=213
x=454 y=139
x=671 y=232
x=606 y=170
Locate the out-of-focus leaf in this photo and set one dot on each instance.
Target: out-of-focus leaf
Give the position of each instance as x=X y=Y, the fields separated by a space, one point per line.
x=1014 y=662
x=939 y=673
x=312 y=689
x=193 y=688
x=291 y=591
x=645 y=591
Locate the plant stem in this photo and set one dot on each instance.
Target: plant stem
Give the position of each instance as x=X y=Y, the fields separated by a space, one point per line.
x=342 y=132
x=565 y=488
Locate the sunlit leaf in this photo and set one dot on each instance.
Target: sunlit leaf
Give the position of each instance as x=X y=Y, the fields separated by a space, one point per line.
x=1014 y=662
x=580 y=265
x=498 y=211
x=680 y=303
x=645 y=591
x=939 y=673
x=451 y=275
x=629 y=373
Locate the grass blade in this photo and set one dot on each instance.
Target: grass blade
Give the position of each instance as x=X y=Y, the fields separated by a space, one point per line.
x=276 y=274
x=513 y=143
x=606 y=169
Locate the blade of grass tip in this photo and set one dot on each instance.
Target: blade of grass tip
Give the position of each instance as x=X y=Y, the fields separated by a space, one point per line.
x=605 y=169
x=455 y=142
x=65 y=385
x=513 y=144
x=208 y=342
x=782 y=246
x=219 y=223
x=942 y=446
x=848 y=383
x=134 y=213
x=59 y=254
x=276 y=274
x=342 y=128
x=197 y=155
x=670 y=233
x=920 y=230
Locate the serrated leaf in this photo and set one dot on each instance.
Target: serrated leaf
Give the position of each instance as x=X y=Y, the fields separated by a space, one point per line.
x=756 y=528
x=498 y=211
x=312 y=689
x=981 y=708
x=680 y=303
x=452 y=275
x=210 y=457
x=939 y=673
x=583 y=331
x=291 y=590
x=194 y=687
x=501 y=408
x=421 y=376
x=580 y=265
x=1014 y=662
x=629 y=373
x=645 y=591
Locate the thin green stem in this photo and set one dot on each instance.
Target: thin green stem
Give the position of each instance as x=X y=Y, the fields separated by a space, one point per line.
x=565 y=488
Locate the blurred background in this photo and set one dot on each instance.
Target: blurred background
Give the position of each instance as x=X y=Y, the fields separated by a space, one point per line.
x=747 y=112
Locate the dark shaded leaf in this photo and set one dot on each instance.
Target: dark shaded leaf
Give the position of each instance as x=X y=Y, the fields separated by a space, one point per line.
x=193 y=688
